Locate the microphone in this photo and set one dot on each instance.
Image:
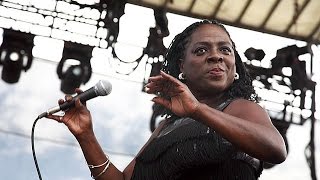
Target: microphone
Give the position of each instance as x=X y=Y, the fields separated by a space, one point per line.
x=102 y=88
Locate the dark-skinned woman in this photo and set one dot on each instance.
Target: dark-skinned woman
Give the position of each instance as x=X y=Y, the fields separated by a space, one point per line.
x=214 y=127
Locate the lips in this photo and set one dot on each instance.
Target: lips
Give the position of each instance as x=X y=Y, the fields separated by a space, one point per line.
x=216 y=72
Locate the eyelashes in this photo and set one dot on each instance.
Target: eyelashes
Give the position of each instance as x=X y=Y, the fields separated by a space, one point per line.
x=202 y=50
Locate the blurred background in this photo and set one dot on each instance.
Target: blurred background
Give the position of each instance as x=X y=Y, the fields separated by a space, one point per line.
x=50 y=47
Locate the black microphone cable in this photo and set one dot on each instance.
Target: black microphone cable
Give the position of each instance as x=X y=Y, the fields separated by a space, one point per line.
x=32 y=145
x=102 y=88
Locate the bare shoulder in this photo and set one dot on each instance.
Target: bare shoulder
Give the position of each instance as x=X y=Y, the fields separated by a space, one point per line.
x=249 y=110
x=241 y=104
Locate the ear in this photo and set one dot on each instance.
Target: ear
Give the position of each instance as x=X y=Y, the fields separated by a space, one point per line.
x=181 y=65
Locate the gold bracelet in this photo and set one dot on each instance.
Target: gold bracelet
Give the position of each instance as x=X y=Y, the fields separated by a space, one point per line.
x=103 y=171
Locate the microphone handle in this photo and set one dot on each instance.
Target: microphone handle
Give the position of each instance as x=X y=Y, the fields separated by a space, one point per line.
x=86 y=95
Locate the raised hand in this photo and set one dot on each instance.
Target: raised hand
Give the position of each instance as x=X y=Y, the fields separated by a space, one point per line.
x=177 y=96
x=77 y=119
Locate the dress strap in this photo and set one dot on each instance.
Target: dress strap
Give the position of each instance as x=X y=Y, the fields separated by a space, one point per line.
x=223 y=105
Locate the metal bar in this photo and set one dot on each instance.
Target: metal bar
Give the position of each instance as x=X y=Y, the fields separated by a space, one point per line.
x=297 y=15
x=191 y=5
x=244 y=10
x=314 y=31
x=216 y=10
x=312 y=158
x=274 y=6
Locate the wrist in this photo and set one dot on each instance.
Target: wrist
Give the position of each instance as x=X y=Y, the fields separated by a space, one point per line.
x=86 y=137
x=197 y=110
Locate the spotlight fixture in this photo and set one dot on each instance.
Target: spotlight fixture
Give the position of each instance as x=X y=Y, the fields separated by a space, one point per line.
x=115 y=9
x=288 y=55
x=15 y=54
x=155 y=49
x=161 y=19
x=155 y=46
x=254 y=54
x=74 y=68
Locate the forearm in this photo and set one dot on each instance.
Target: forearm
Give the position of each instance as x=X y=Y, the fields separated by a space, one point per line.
x=95 y=156
x=258 y=140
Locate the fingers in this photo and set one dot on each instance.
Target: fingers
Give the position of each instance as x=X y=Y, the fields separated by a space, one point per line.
x=59 y=119
x=60 y=101
x=78 y=91
x=160 y=82
x=167 y=85
x=164 y=102
x=68 y=97
x=78 y=103
x=167 y=76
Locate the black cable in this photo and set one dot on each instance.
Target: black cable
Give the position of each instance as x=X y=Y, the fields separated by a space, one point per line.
x=32 y=146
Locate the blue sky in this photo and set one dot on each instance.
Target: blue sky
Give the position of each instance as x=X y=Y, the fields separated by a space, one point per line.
x=121 y=119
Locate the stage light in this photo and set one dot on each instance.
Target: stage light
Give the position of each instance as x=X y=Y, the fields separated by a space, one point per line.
x=155 y=50
x=15 y=54
x=155 y=47
x=115 y=9
x=74 y=68
x=287 y=56
x=161 y=21
x=254 y=54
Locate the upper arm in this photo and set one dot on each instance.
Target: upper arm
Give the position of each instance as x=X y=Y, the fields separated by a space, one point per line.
x=127 y=173
x=262 y=140
x=249 y=111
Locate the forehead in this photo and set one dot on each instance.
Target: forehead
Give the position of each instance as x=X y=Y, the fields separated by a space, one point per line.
x=210 y=32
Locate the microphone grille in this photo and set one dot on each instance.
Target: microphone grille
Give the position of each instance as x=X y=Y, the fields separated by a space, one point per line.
x=103 y=88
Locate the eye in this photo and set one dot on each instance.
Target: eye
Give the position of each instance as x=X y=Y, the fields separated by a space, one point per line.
x=226 y=49
x=200 y=51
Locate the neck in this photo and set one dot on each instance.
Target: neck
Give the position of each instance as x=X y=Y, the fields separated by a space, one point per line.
x=212 y=100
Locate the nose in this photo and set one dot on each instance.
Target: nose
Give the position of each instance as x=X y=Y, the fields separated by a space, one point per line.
x=215 y=57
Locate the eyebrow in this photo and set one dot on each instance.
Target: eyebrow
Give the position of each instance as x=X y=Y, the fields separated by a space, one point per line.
x=207 y=43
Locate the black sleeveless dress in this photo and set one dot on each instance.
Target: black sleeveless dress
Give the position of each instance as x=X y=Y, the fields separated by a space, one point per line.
x=186 y=149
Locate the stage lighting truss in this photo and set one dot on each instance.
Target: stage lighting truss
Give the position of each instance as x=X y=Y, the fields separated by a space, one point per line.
x=113 y=10
x=74 y=68
x=288 y=98
x=92 y=23
x=152 y=55
x=15 y=54
x=155 y=49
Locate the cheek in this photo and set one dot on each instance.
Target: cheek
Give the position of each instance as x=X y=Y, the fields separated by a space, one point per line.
x=191 y=65
x=232 y=70
x=232 y=65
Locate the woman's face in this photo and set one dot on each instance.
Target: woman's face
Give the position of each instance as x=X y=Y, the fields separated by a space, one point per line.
x=209 y=62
